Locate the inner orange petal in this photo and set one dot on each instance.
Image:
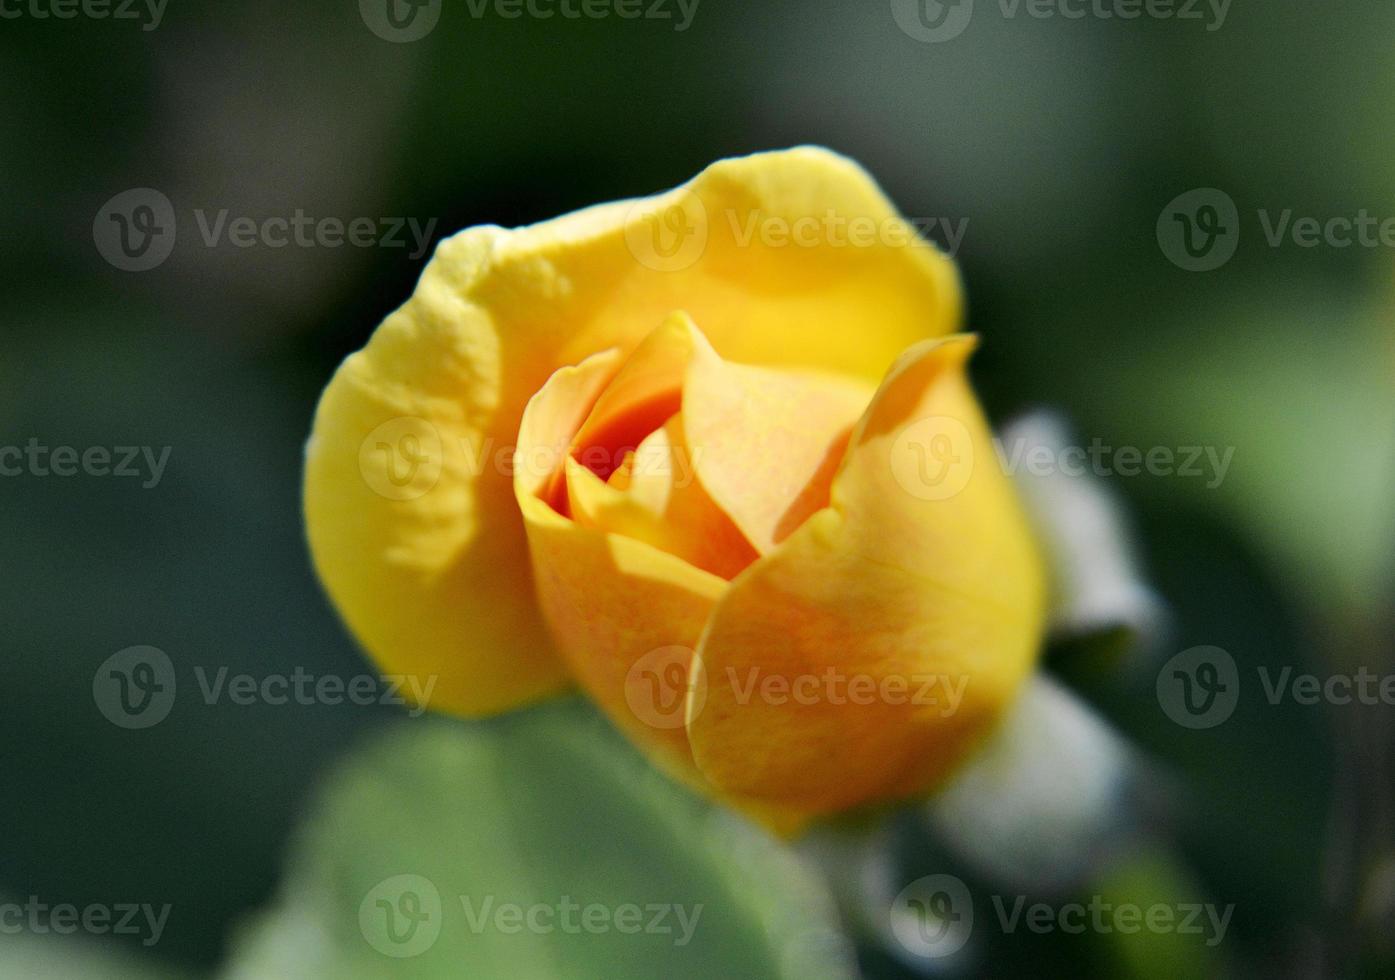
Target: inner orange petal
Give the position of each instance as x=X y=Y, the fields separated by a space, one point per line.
x=767 y=443
x=659 y=501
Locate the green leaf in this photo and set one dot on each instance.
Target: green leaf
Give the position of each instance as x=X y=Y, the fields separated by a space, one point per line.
x=539 y=844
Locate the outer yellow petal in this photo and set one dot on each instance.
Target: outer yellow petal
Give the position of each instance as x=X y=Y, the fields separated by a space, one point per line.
x=430 y=574
x=409 y=509
x=921 y=577
x=786 y=259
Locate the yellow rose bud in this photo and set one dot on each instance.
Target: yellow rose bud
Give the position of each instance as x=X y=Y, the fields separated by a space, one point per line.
x=712 y=456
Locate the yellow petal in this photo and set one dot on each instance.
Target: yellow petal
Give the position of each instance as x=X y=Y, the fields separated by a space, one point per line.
x=429 y=572
x=865 y=656
x=410 y=513
x=787 y=259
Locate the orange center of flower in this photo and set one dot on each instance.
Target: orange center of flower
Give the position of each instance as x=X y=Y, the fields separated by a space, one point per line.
x=712 y=462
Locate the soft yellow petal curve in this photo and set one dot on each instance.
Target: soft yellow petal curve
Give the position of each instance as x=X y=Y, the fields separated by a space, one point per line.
x=409 y=510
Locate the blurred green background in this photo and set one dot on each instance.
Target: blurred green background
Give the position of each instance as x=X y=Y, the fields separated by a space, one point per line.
x=1060 y=141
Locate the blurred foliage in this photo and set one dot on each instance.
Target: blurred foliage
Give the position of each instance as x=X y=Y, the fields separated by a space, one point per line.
x=544 y=806
x=1059 y=140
